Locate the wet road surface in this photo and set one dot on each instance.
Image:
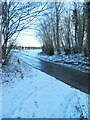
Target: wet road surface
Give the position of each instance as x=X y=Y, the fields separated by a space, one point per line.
x=72 y=77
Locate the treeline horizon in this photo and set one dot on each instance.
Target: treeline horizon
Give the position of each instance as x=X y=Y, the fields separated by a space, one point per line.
x=59 y=26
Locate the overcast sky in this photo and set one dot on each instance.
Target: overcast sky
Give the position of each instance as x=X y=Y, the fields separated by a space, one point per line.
x=28 y=38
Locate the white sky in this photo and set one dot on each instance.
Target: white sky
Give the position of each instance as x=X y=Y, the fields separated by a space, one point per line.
x=28 y=39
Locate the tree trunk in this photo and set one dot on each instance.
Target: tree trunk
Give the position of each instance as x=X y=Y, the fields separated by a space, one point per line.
x=57 y=30
x=76 y=44
x=88 y=27
x=0 y=33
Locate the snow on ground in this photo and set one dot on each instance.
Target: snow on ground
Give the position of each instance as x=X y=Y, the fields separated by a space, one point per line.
x=76 y=61
x=31 y=52
x=30 y=93
x=0 y=92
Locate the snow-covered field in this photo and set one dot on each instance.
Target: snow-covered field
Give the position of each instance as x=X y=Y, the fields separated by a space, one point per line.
x=30 y=93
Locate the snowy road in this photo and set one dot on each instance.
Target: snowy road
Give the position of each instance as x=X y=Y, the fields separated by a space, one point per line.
x=38 y=95
x=74 y=78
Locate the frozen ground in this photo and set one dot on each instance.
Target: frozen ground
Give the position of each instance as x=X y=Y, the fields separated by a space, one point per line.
x=30 y=93
x=76 y=61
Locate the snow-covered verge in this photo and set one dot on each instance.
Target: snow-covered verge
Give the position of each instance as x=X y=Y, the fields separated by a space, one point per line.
x=76 y=61
x=30 y=93
x=0 y=92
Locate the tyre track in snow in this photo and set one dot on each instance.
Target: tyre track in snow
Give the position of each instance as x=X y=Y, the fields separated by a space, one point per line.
x=70 y=76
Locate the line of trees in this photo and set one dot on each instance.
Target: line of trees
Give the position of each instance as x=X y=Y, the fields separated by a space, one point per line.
x=60 y=27
x=66 y=27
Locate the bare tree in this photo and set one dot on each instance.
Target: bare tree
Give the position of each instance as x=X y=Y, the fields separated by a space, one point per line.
x=51 y=20
x=0 y=46
x=58 y=10
x=16 y=16
x=79 y=23
x=75 y=20
x=45 y=34
x=88 y=28
x=66 y=33
x=81 y=27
